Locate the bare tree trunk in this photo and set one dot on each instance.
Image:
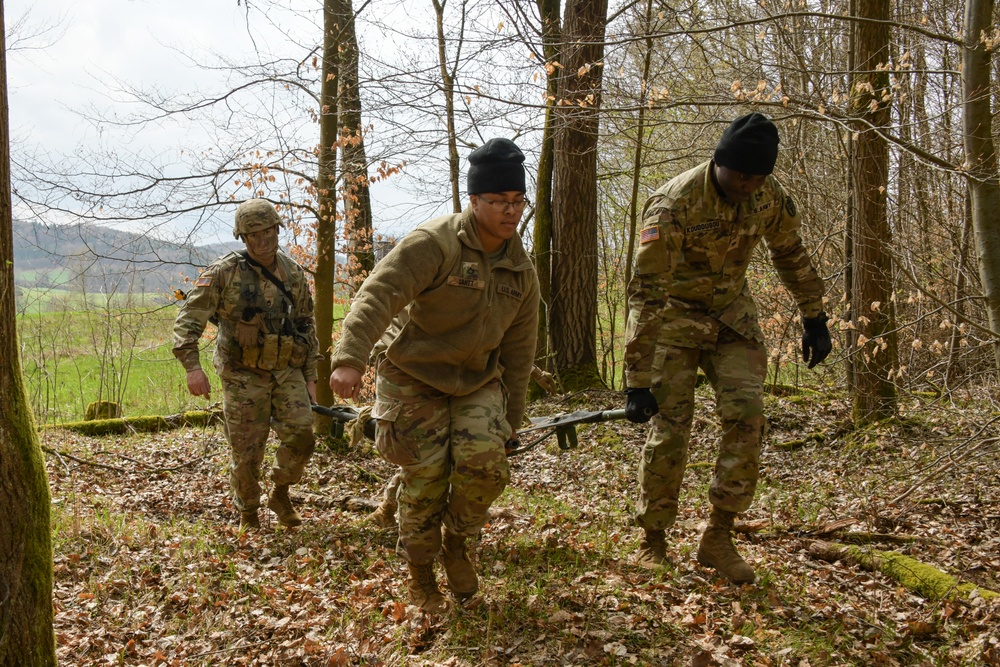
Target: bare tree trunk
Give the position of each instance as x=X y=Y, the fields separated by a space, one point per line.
x=354 y=161
x=26 y=634
x=448 y=86
x=981 y=157
x=326 y=215
x=549 y=11
x=574 y=207
x=872 y=309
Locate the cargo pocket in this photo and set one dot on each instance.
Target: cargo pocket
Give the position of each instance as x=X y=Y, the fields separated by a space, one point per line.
x=388 y=441
x=299 y=350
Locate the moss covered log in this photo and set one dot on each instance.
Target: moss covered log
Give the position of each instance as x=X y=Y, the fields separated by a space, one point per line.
x=145 y=424
x=921 y=578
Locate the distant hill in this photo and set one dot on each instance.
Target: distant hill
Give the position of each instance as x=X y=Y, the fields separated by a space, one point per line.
x=96 y=259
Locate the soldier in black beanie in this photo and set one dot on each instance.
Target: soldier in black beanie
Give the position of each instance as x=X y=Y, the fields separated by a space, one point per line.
x=690 y=308
x=452 y=372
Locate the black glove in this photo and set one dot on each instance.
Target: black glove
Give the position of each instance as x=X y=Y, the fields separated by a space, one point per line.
x=816 y=343
x=640 y=405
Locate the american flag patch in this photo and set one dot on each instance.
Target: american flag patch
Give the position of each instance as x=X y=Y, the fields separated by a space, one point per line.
x=204 y=281
x=649 y=234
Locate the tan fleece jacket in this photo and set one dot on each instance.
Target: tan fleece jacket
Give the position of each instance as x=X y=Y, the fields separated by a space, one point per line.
x=470 y=322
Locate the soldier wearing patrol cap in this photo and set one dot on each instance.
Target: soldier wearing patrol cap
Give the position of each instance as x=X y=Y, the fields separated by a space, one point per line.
x=265 y=355
x=690 y=307
x=452 y=382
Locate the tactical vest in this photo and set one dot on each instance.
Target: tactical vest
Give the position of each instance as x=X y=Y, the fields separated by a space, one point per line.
x=277 y=344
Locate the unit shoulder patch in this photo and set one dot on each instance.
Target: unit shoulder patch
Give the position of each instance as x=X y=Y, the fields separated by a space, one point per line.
x=790 y=206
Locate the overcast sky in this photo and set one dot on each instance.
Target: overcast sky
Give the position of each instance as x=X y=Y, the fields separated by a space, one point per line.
x=93 y=45
x=90 y=44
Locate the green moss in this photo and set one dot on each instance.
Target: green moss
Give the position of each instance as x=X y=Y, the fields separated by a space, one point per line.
x=144 y=424
x=579 y=378
x=924 y=579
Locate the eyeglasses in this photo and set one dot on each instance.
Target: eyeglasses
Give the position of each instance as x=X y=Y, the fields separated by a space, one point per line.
x=504 y=206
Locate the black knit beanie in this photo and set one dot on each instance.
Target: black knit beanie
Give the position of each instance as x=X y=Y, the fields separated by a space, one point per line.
x=749 y=145
x=496 y=166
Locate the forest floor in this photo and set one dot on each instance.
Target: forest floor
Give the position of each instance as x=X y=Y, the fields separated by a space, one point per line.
x=152 y=569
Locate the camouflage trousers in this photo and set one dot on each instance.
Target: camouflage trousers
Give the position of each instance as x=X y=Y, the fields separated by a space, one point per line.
x=254 y=403
x=451 y=453
x=736 y=368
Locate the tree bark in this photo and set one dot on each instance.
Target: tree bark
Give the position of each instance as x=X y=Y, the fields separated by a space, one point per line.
x=873 y=311
x=27 y=638
x=981 y=157
x=542 y=239
x=326 y=213
x=354 y=161
x=573 y=325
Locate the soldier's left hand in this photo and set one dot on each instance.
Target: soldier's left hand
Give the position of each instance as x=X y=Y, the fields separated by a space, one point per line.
x=197 y=383
x=816 y=343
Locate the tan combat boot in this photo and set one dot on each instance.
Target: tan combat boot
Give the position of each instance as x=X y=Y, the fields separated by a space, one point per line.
x=249 y=519
x=384 y=515
x=716 y=549
x=280 y=504
x=424 y=591
x=459 y=572
x=652 y=552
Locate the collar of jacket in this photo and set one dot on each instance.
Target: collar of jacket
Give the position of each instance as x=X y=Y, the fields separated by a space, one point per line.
x=713 y=195
x=516 y=259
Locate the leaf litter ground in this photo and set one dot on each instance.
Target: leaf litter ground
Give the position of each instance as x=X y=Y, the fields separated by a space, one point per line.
x=152 y=569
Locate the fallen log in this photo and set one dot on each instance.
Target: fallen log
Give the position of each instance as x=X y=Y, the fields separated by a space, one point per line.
x=921 y=578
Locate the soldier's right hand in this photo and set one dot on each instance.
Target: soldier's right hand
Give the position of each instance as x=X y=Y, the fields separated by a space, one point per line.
x=640 y=405
x=345 y=382
x=198 y=384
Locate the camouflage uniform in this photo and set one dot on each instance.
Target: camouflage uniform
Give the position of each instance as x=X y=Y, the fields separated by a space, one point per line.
x=453 y=379
x=690 y=307
x=264 y=387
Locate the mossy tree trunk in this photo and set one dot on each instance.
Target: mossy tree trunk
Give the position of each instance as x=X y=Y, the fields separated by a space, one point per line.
x=26 y=634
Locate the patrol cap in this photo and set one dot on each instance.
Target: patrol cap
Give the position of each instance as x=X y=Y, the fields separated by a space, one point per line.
x=496 y=166
x=749 y=145
x=255 y=215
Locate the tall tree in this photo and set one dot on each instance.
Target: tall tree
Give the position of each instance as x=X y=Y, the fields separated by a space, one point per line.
x=354 y=170
x=26 y=633
x=981 y=156
x=573 y=311
x=542 y=237
x=873 y=309
x=326 y=203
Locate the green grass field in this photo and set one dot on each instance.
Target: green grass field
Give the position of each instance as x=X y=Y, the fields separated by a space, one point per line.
x=73 y=357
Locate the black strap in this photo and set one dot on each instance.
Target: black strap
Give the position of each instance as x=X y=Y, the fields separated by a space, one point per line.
x=267 y=274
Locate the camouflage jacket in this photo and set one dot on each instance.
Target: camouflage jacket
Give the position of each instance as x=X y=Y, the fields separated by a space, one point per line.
x=691 y=265
x=217 y=295
x=469 y=321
